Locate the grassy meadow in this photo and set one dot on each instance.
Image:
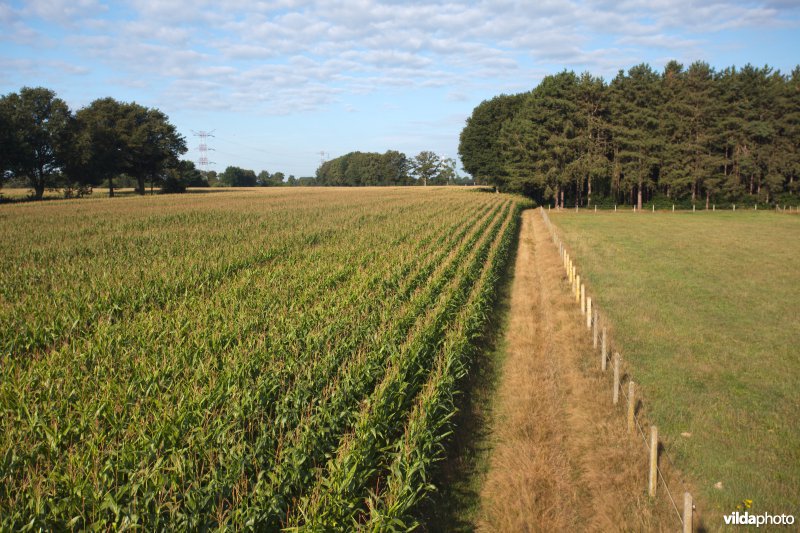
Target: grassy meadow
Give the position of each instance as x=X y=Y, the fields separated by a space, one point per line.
x=704 y=309
x=263 y=359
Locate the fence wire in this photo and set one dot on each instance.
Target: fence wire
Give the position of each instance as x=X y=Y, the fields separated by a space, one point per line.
x=559 y=245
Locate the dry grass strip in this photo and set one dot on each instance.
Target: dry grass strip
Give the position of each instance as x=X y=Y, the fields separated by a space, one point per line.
x=562 y=458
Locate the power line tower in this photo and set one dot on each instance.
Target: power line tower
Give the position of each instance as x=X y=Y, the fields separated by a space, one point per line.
x=323 y=156
x=203 y=147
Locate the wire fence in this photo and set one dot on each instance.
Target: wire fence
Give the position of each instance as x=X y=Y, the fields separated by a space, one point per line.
x=778 y=208
x=590 y=309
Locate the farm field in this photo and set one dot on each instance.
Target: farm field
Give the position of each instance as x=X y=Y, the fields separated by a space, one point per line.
x=704 y=309
x=265 y=358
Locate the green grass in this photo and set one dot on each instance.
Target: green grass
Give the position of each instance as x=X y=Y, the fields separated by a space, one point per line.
x=706 y=311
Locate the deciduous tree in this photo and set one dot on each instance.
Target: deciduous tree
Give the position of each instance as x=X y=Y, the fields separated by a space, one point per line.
x=36 y=136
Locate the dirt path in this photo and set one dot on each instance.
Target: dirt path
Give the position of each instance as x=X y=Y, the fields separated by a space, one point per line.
x=562 y=459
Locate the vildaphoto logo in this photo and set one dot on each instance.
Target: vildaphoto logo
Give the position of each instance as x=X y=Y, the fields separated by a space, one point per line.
x=763 y=519
x=743 y=517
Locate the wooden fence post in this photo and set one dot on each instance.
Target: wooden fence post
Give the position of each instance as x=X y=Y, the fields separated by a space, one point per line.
x=616 y=378
x=583 y=299
x=589 y=312
x=603 y=351
x=595 y=319
x=688 y=508
x=577 y=288
x=631 y=405
x=652 y=478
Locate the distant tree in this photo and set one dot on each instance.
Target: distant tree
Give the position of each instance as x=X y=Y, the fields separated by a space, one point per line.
x=540 y=144
x=426 y=166
x=593 y=133
x=292 y=181
x=394 y=167
x=264 y=178
x=676 y=172
x=212 y=178
x=365 y=168
x=478 y=142
x=99 y=143
x=36 y=136
x=447 y=172
x=191 y=175
x=153 y=144
x=173 y=182
x=790 y=128
x=184 y=174
x=636 y=99
x=114 y=138
x=693 y=133
x=238 y=177
x=277 y=178
x=8 y=145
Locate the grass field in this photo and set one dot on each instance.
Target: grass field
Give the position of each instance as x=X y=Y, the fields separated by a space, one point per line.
x=705 y=312
x=271 y=358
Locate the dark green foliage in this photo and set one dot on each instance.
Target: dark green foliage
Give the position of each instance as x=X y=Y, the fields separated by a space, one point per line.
x=265 y=179
x=306 y=181
x=173 y=183
x=35 y=128
x=112 y=138
x=190 y=175
x=478 y=143
x=154 y=145
x=183 y=175
x=277 y=178
x=238 y=177
x=635 y=101
x=44 y=145
x=365 y=168
x=685 y=135
x=426 y=166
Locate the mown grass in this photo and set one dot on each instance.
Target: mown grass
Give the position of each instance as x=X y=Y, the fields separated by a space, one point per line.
x=704 y=308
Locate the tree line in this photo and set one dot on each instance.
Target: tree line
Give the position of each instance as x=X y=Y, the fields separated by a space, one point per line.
x=389 y=168
x=684 y=135
x=234 y=176
x=48 y=145
x=44 y=145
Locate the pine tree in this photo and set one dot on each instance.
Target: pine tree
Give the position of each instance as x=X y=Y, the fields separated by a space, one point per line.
x=636 y=98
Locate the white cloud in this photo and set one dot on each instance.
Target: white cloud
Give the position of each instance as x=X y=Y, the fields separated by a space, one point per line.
x=61 y=10
x=298 y=54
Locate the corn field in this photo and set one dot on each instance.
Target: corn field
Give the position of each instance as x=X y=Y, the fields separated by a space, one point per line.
x=240 y=359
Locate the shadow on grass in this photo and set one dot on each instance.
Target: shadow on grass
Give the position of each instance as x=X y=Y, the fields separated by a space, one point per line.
x=459 y=477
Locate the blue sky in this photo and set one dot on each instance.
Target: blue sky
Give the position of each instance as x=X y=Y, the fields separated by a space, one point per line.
x=281 y=81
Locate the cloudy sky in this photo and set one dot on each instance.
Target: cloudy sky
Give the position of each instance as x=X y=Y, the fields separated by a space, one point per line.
x=279 y=82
